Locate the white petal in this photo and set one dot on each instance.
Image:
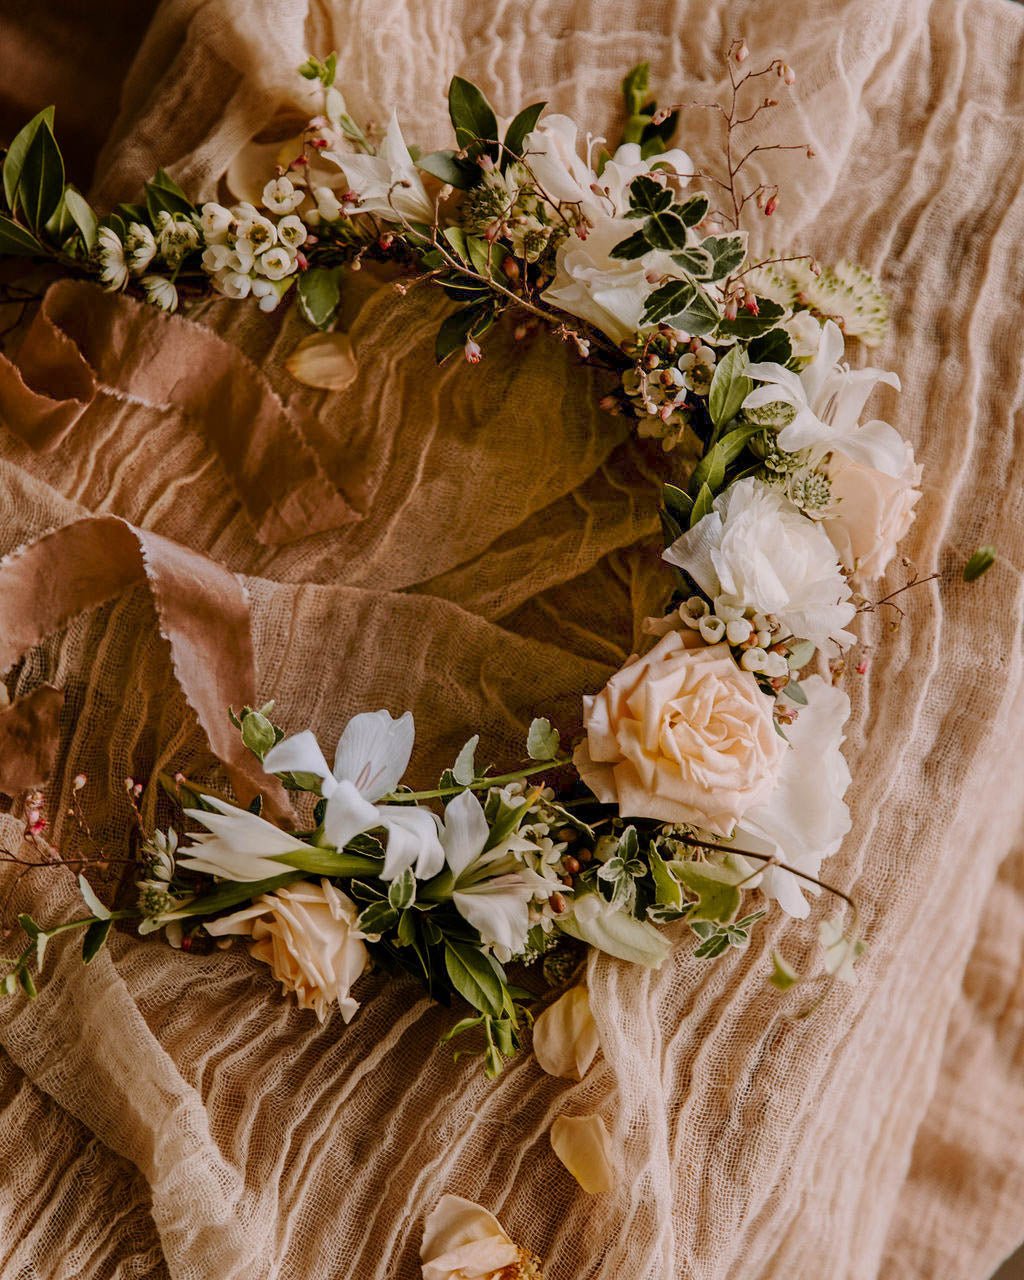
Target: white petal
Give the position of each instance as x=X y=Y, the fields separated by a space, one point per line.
x=565 y=1039
x=460 y=1237
x=348 y=814
x=583 y=1145
x=299 y=754
x=498 y=909
x=374 y=752
x=412 y=841
x=465 y=832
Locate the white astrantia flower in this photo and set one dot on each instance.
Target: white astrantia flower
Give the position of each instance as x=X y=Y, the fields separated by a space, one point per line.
x=238 y=845
x=756 y=550
x=492 y=888
x=805 y=818
x=388 y=183
x=373 y=754
x=177 y=238
x=140 y=246
x=113 y=268
x=828 y=398
x=281 y=195
x=161 y=292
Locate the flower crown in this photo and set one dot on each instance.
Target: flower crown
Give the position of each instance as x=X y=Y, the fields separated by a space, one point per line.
x=708 y=787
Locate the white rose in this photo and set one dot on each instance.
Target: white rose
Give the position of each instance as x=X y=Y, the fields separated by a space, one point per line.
x=805 y=818
x=761 y=552
x=607 y=292
x=306 y=933
x=462 y=1241
x=872 y=509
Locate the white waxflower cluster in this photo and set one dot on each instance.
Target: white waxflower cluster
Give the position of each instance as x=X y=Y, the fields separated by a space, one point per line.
x=757 y=634
x=144 y=249
x=247 y=252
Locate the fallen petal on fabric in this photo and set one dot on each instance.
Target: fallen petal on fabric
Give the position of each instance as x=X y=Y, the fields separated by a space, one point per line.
x=584 y=1146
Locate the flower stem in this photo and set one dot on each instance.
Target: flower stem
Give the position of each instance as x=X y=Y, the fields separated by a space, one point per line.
x=478 y=784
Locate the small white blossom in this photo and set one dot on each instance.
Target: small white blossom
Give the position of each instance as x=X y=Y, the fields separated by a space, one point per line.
x=280 y=195
x=113 y=268
x=291 y=231
x=160 y=292
x=276 y=263
x=232 y=283
x=178 y=238
x=269 y=292
x=255 y=233
x=216 y=222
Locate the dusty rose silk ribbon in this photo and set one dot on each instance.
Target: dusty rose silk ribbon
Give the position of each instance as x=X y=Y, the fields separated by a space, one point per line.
x=83 y=340
x=203 y=613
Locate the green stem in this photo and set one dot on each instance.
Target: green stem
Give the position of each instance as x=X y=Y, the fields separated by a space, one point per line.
x=478 y=784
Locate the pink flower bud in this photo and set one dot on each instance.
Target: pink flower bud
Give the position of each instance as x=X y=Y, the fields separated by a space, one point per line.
x=79 y=781
x=742 y=53
x=789 y=76
x=771 y=204
x=731 y=307
x=472 y=352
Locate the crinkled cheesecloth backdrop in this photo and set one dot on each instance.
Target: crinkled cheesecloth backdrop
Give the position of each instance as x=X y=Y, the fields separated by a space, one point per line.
x=478 y=545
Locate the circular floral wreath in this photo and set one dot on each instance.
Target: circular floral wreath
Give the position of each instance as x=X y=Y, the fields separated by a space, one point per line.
x=710 y=769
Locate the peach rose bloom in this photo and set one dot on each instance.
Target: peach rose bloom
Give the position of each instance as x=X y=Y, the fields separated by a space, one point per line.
x=872 y=512
x=306 y=933
x=681 y=735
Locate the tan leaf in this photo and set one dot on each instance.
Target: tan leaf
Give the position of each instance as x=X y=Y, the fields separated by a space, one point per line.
x=565 y=1040
x=583 y=1145
x=324 y=360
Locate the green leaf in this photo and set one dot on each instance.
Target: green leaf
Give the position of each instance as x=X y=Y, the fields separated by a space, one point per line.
x=702 y=506
x=524 y=123
x=729 y=387
x=84 y=218
x=693 y=210
x=542 y=740
x=18 y=150
x=634 y=246
x=472 y=117
x=95 y=937
x=718 y=899
x=163 y=195
x=464 y=769
x=27 y=985
x=402 y=890
x=668 y=301
x=91 y=901
x=481 y=256
x=60 y=223
x=750 y=326
x=15 y=241
x=668 y=892
x=726 y=252
x=648 y=196
x=773 y=347
x=713 y=947
x=982 y=560
x=635 y=87
x=695 y=262
x=457 y=328
x=783 y=975
x=800 y=653
x=456 y=237
x=41 y=182
x=258 y=733
x=678 y=503
x=376 y=919
x=473 y=978
x=29 y=926
x=462 y=1026
x=319 y=293
x=709 y=473
x=665 y=230
x=444 y=165
x=795 y=693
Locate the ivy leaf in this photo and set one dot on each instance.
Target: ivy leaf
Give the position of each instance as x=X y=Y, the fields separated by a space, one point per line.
x=18 y=150
x=41 y=181
x=542 y=740
x=473 y=118
x=524 y=123
x=747 y=325
x=647 y=196
x=695 y=261
x=693 y=210
x=95 y=937
x=402 y=890
x=634 y=246
x=718 y=899
x=464 y=769
x=773 y=347
x=445 y=165
x=665 y=230
x=376 y=919
x=319 y=293
x=982 y=560
x=473 y=978
x=726 y=253
x=713 y=947
x=15 y=241
x=729 y=387
x=668 y=301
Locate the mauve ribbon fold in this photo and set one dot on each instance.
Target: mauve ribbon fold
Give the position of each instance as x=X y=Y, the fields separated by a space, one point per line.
x=203 y=611
x=83 y=340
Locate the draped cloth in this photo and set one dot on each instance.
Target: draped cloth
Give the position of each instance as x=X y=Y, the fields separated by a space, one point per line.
x=478 y=545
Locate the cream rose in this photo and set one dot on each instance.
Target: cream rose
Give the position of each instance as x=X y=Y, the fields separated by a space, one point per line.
x=871 y=511
x=306 y=933
x=463 y=1241
x=681 y=735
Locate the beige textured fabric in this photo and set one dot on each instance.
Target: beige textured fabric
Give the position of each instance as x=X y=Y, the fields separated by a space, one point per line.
x=165 y=1114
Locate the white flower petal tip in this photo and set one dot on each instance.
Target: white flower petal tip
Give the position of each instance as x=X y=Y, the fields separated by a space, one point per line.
x=373 y=752
x=463 y=1241
x=325 y=361
x=583 y=1145
x=565 y=1039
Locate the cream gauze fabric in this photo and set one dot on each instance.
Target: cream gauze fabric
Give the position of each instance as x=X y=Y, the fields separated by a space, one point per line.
x=164 y=1114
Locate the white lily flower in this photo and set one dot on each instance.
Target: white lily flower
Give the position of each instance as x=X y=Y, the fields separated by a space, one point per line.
x=828 y=398
x=387 y=183
x=492 y=891
x=373 y=754
x=239 y=845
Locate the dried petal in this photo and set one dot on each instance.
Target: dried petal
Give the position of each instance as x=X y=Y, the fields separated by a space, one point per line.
x=583 y=1145
x=324 y=360
x=565 y=1039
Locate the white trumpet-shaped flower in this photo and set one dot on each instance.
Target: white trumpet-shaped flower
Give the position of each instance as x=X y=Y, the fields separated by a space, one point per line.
x=387 y=183
x=239 y=845
x=373 y=754
x=492 y=888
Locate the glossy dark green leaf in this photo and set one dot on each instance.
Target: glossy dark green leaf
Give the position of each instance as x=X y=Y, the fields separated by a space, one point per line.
x=747 y=325
x=727 y=253
x=18 y=150
x=163 y=195
x=473 y=118
x=666 y=230
x=461 y=174
x=84 y=218
x=647 y=196
x=634 y=246
x=694 y=209
x=41 y=182
x=668 y=301
x=702 y=505
x=473 y=978
x=15 y=241
x=773 y=347
x=524 y=123
x=95 y=937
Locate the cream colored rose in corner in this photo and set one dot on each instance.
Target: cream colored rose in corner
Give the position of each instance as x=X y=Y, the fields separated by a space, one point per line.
x=462 y=1241
x=681 y=735
x=871 y=511
x=584 y=1146
x=306 y=933
x=565 y=1039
